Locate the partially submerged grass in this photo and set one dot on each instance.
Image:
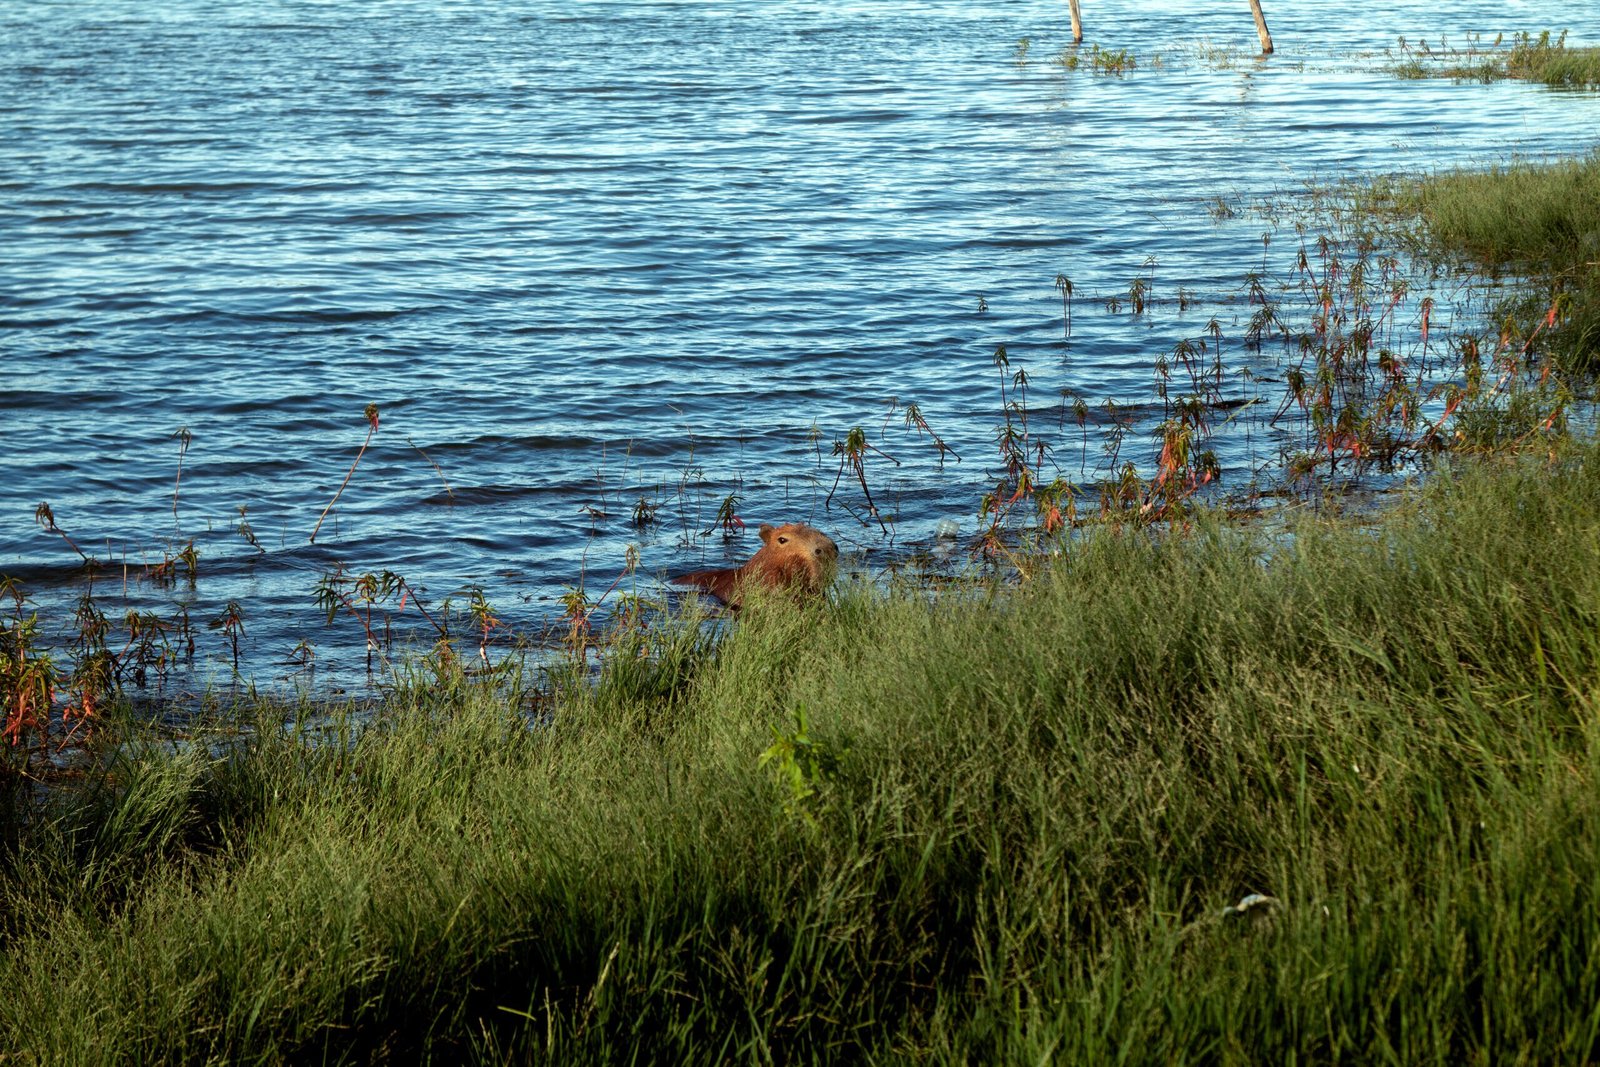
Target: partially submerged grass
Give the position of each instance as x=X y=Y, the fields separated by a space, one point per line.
x=1538 y=59
x=1518 y=215
x=1539 y=222
x=991 y=827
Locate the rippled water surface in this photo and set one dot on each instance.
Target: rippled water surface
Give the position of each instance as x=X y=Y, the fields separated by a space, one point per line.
x=586 y=253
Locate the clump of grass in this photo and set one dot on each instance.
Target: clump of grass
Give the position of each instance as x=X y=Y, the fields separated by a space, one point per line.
x=1529 y=58
x=1114 y=62
x=982 y=828
x=1552 y=63
x=1515 y=215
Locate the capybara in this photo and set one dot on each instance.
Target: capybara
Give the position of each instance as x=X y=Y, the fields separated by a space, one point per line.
x=791 y=556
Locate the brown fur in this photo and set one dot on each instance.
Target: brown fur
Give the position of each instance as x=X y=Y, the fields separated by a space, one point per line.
x=791 y=556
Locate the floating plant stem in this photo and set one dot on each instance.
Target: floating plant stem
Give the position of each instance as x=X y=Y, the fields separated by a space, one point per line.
x=1064 y=286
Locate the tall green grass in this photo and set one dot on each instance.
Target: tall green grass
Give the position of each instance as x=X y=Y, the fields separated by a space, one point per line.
x=998 y=825
x=1516 y=215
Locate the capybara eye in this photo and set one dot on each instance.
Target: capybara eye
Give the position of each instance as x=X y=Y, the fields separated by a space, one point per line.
x=783 y=540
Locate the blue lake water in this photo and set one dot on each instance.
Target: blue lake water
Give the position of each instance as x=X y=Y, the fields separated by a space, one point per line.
x=587 y=253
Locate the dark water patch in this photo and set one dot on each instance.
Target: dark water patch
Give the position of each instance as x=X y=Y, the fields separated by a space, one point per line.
x=240 y=472
x=319 y=315
x=470 y=495
x=42 y=323
x=49 y=220
x=854 y=118
x=183 y=189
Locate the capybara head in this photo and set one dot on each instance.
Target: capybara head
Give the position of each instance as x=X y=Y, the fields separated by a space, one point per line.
x=792 y=556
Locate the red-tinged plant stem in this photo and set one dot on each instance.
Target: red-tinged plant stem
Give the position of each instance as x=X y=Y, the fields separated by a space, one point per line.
x=407 y=592
x=372 y=428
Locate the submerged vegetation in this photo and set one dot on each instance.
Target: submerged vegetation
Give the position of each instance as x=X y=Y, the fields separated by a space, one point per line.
x=1154 y=784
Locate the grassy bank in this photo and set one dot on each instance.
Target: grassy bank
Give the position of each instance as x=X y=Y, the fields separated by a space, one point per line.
x=1537 y=221
x=987 y=828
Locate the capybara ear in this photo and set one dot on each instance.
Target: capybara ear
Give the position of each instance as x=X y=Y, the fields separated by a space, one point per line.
x=766 y=532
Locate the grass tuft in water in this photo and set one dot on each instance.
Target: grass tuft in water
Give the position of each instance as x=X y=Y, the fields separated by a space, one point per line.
x=1542 y=59
x=1539 y=222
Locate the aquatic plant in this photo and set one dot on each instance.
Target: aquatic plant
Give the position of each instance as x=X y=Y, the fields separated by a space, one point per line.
x=1113 y=62
x=47 y=519
x=1023 y=453
x=644 y=513
x=246 y=531
x=166 y=572
x=183 y=437
x=360 y=595
x=449 y=492
x=371 y=415
x=1064 y=287
x=852 y=453
x=28 y=675
x=231 y=624
x=914 y=420
x=727 y=517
